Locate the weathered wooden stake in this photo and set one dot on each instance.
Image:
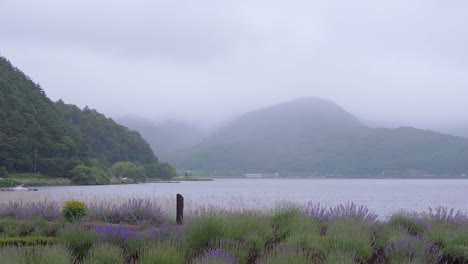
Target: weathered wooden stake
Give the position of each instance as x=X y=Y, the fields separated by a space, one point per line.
x=180 y=209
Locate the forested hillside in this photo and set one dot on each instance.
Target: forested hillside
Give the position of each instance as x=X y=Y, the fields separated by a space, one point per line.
x=30 y=122
x=311 y=136
x=108 y=141
x=61 y=140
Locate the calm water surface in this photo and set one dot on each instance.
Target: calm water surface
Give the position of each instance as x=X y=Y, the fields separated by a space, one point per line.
x=382 y=196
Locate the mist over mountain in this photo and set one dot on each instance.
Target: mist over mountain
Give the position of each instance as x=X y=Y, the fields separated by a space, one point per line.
x=315 y=136
x=167 y=137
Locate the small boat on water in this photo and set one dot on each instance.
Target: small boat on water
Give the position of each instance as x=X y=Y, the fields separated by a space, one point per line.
x=18 y=188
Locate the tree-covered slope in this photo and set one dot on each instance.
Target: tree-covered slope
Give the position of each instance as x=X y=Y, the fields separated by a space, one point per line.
x=108 y=141
x=29 y=121
x=312 y=135
x=61 y=135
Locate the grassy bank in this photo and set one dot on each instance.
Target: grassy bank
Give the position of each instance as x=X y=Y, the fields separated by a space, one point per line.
x=140 y=231
x=32 y=179
x=35 y=179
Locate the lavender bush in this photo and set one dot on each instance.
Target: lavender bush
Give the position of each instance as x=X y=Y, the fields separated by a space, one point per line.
x=117 y=233
x=348 y=210
x=216 y=256
x=134 y=211
x=165 y=231
x=48 y=211
x=104 y=211
x=351 y=210
x=445 y=215
x=405 y=249
x=317 y=212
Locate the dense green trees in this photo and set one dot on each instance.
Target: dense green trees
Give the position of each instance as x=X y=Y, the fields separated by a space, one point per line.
x=29 y=121
x=160 y=170
x=108 y=141
x=86 y=175
x=130 y=170
x=58 y=139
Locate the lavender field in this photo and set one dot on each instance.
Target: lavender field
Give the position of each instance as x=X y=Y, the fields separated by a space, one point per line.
x=139 y=230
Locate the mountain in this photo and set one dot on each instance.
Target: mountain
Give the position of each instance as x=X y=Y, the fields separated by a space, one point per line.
x=315 y=136
x=54 y=137
x=165 y=138
x=108 y=141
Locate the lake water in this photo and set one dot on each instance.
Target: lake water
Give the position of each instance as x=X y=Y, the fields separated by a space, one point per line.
x=383 y=196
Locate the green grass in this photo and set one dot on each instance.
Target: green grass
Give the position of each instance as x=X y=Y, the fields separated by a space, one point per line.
x=31 y=179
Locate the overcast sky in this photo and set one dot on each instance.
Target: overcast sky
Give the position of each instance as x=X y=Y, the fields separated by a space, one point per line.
x=396 y=61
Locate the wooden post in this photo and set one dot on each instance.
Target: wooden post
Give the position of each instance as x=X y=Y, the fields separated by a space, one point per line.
x=180 y=209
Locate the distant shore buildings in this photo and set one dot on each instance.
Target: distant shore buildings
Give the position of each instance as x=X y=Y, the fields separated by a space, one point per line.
x=261 y=175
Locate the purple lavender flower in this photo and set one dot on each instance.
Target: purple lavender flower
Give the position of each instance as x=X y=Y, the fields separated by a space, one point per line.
x=141 y=211
x=351 y=210
x=405 y=249
x=444 y=214
x=348 y=210
x=118 y=233
x=49 y=211
x=317 y=212
x=106 y=211
x=165 y=231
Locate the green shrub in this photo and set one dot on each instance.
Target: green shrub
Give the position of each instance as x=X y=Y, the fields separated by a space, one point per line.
x=405 y=249
x=74 y=210
x=204 y=230
x=455 y=254
x=306 y=233
x=235 y=247
x=410 y=224
x=85 y=175
x=252 y=229
x=105 y=254
x=47 y=229
x=282 y=255
x=16 y=228
x=77 y=240
x=383 y=233
x=352 y=236
x=284 y=219
x=167 y=252
x=440 y=234
x=459 y=239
